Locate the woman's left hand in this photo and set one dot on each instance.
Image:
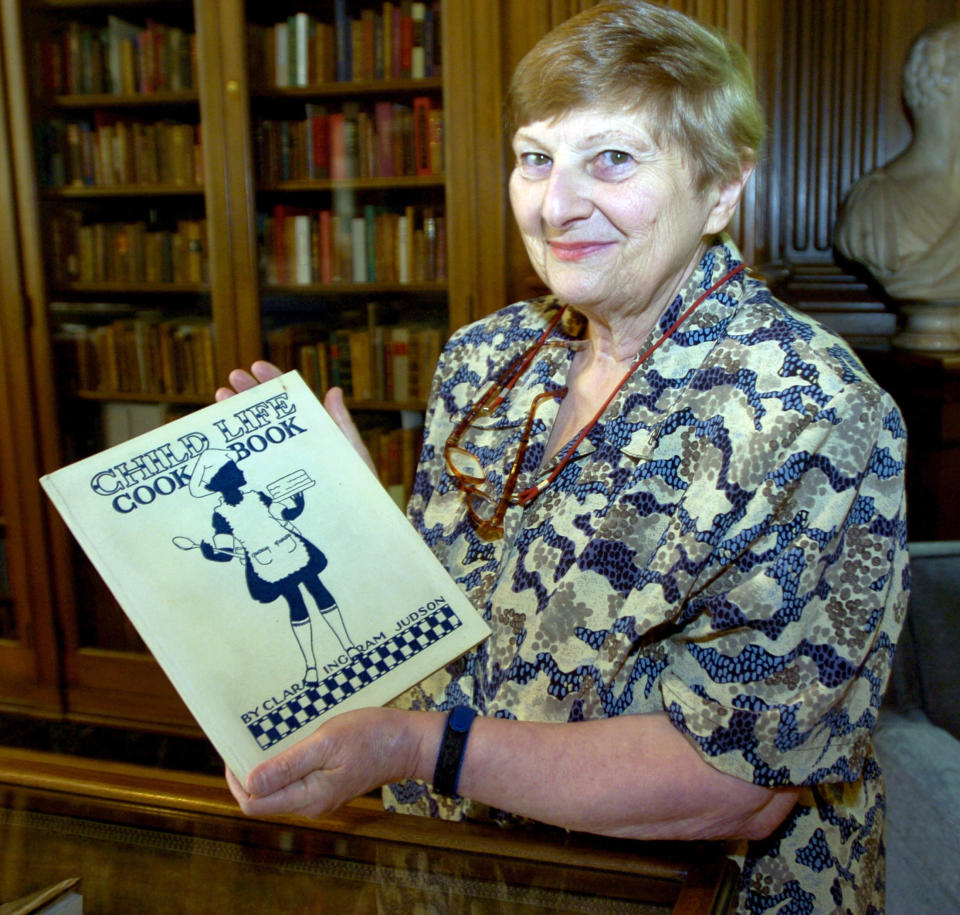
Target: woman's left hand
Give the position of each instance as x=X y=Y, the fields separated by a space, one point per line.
x=348 y=756
x=241 y=380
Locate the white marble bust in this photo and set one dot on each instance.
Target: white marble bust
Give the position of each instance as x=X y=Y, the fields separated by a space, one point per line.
x=902 y=220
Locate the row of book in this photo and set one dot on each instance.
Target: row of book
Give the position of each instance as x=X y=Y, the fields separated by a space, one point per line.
x=108 y=151
x=145 y=354
x=127 y=252
x=120 y=58
x=384 y=140
x=386 y=363
x=381 y=41
x=379 y=245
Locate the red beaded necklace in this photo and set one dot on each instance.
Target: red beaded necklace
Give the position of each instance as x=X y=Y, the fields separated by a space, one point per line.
x=528 y=495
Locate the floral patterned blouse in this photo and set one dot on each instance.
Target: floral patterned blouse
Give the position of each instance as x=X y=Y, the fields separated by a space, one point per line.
x=727 y=545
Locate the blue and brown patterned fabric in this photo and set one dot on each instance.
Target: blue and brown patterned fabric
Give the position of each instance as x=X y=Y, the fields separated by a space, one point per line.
x=728 y=546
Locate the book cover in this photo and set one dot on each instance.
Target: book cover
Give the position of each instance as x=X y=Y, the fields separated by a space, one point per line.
x=265 y=567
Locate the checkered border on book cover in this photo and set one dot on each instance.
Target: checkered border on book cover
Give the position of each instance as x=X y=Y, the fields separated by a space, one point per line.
x=362 y=670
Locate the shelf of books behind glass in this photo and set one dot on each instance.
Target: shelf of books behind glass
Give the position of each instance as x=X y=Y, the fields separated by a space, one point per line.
x=347 y=120
x=120 y=168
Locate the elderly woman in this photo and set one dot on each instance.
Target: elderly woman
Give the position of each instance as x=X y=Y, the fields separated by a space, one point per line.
x=677 y=502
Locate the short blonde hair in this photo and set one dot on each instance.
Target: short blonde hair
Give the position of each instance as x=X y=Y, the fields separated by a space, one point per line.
x=693 y=82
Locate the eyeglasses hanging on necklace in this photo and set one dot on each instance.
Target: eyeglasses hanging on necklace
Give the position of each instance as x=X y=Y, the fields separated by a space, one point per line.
x=486 y=513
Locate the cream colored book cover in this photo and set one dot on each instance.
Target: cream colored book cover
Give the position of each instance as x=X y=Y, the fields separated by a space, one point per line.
x=265 y=567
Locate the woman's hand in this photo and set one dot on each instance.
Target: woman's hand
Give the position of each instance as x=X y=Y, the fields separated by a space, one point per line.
x=348 y=756
x=242 y=381
x=261 y=371
x=334 y=405
x=533 y=769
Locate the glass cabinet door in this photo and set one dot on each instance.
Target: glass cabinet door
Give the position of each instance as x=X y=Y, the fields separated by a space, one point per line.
x=28 y=671
x=107 y=139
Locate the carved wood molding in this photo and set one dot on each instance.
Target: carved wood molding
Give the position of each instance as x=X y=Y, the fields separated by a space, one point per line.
x=834 y=94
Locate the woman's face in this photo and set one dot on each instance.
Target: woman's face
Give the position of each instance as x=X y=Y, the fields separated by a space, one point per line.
x=612 y=223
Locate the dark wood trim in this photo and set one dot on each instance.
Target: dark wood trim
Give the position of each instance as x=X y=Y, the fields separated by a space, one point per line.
x=29 y=663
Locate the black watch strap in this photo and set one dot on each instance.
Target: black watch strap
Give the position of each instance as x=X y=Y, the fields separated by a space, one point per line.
x=446 y=775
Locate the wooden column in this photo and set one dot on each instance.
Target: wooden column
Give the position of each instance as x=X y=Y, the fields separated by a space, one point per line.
x=473 y=90
x=28 y=662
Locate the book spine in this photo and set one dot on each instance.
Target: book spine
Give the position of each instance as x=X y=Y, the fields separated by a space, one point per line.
x=303 y=249
x=386 y=29
x=280 y=243
x=338 y=147
x=406 y=38
x=360 y=364
x=358 y=249
x=383 y=117
x=400 y=337
x=281 y=38
x=371 y=272
x=418 y=12
x=396 y=63
x=302 y=30
x=343 y=35
x=325 y=245
x=351 y=139
x=421 y=135
x=435 y=141
x=368 y=31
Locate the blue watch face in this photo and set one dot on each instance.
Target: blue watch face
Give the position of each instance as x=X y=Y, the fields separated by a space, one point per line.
x=461 y=718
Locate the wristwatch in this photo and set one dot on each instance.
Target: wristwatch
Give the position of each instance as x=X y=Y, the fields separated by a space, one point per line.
x=452 y=747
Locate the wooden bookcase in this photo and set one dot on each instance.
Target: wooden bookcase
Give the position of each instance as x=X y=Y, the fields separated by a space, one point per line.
x=142 y=278
x=346 y=121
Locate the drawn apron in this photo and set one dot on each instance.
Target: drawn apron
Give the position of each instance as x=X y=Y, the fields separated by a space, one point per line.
x=275 y=553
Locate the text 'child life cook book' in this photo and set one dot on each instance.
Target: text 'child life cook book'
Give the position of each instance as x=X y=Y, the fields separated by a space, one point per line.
x=266 y=568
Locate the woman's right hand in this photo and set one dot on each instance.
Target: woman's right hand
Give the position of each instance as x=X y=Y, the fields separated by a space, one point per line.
x=261 y=371
x=333 y=402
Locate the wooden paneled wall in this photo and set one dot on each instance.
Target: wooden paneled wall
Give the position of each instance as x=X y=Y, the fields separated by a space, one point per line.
x=829 y=77
x=835 y=112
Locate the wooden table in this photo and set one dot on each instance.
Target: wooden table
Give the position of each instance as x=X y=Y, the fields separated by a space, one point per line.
x=147 y=840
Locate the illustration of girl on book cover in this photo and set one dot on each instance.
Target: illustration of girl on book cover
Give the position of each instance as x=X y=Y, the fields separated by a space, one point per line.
x=256 y=528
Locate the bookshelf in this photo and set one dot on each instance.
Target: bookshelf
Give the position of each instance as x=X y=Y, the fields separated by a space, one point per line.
x=109 y=171
x=181 y=204
x=347 y=124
